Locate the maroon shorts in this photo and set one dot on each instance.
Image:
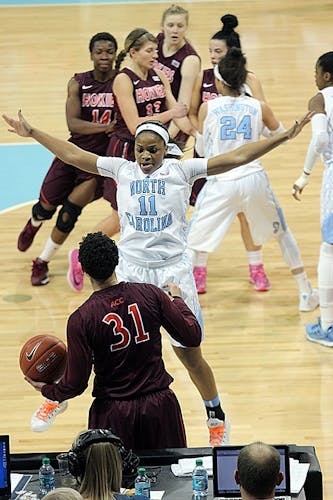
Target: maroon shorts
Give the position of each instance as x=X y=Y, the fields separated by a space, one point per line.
x=151 y=421
x=196 y=188
x=110 y=192
x=61 y=179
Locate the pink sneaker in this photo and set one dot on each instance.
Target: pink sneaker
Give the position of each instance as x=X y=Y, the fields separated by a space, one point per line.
x=26 y=236
x=75 y=273
x=258 y=278
x=200 y=275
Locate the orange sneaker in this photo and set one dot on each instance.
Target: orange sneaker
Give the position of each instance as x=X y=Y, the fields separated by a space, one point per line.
x=219 y=431
x=45 y=415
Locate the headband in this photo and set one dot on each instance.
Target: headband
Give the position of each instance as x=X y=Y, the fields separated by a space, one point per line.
x=144 y=32
x=217 y=75
x=173 y=149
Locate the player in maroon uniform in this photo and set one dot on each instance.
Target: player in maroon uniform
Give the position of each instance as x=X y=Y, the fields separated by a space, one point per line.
x=204 y=90
x=89 y=113
x=117 y=331
x=178 y=60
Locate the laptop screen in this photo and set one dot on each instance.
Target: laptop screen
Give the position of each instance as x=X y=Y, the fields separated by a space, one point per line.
x=5 y=487
x=225 y=464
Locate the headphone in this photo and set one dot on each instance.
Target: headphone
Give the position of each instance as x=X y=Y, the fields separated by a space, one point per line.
x=77 y=457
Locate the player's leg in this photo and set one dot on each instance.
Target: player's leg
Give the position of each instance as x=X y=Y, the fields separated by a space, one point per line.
x=322 y=331
x=258 y=276
x=213 y=214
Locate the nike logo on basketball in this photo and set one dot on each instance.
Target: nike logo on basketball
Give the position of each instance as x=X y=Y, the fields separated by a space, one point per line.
x=136 y=82
x=85 y=87
x=30 y=355
x=207 y=85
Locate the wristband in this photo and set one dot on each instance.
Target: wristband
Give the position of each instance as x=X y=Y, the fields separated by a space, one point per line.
x=302 y=181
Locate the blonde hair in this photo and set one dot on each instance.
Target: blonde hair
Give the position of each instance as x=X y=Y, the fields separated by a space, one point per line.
x=136 y=39
x=103 y=472
x=63 y=494
x=175 y=10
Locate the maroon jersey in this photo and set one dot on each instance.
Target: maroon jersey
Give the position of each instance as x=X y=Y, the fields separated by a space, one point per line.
x=208 y=88
x=97 y=106
x=117 y=330
x=171 y=66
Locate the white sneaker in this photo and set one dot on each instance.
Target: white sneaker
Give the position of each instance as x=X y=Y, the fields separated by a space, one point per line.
x=309 y=301
x=45 y=415
x=219 y=431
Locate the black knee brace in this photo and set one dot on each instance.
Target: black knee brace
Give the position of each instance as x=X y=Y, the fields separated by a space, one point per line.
x=67 y=216
x=40 y=213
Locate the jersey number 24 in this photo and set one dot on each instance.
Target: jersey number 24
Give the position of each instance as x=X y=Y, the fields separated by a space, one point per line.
x=230 y=128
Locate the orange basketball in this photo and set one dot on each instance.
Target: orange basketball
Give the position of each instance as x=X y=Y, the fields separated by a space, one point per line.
x=43 y=358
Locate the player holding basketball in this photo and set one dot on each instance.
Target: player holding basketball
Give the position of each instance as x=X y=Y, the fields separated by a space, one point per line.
x=225 y=123
x=117 y=331
x=153 y=197
x=322 y=144
x=89 y=113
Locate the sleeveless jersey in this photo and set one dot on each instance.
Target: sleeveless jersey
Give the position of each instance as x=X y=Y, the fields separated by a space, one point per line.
x=97 y=106
x=327 y=155
x=232 y=122
x=149 y=97
x=171 y=65
x=208 y=88
x=152 y=208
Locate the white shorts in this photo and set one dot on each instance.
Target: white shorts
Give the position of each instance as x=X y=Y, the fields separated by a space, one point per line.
x=326 y=205
x=179 y=272
x=220 y=201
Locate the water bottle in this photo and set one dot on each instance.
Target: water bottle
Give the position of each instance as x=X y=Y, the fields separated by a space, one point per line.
x=142 y=483
x=199 y=480
x=46 y=477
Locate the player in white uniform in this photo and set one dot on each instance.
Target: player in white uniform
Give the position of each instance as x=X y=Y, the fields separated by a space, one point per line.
x=322 y=143
x=227 y=122
x=153 y=198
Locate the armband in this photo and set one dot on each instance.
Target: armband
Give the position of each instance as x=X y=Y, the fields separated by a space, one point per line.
x=266 y=132
x=199 y=145
x=302 y=181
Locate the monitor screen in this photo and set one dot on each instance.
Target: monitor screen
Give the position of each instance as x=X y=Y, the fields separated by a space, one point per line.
x=5 y=487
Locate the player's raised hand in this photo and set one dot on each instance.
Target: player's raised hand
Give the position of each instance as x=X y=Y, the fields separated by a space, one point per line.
x=20 y=127
x=299 y=124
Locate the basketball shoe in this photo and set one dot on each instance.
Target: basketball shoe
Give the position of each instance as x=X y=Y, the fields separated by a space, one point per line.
x=200 y=275
x=45 y=415
x=26 y=236
x=75 y=273
x=315 y=333
x=258 y=278
x=219 y=431
x=40 y=272
x=309 y=301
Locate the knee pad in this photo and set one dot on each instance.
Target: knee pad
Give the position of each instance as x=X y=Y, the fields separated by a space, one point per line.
x=40 y=213
x=67 y=216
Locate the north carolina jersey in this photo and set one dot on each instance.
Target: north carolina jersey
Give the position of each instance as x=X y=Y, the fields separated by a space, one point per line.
x=152 y=208
x=171 y=65
x=230 y=123
x=97 y=106
x=327 y=155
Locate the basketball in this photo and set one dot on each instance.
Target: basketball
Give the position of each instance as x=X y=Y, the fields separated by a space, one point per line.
x=43 y=358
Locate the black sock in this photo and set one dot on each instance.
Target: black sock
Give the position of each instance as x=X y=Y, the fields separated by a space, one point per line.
x=215 y=412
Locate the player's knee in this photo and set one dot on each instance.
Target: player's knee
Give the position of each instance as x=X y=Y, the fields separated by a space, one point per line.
x=40 y=213
x=67 y=217
x=327 y=229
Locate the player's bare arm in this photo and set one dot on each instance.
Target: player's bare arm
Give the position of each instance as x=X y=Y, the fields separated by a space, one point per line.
x=67 y=152
x=249 y=152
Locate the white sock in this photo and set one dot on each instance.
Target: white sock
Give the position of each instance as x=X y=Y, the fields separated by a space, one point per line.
x=325 y=283
x=200 y=259
x=49 y=250
x=35 y=222
x=254 y=257
x=304 y=285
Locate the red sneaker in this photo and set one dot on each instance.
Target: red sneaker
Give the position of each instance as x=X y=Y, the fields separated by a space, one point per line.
x=40 y=272
x=26 y=236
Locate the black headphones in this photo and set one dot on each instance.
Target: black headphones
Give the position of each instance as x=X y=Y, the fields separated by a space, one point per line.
x=77 y=457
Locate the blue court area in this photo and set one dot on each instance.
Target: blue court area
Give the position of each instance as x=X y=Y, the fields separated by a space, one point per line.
x=15 y=3
x=22 y=169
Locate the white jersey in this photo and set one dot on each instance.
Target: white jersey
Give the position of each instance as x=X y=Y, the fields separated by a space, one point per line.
x=152 y=208
x=327 y=155
x=230 y=123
